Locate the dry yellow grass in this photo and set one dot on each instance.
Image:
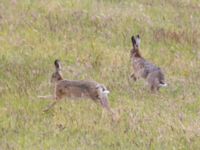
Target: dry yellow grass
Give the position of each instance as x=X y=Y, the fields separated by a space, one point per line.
x=92 y=38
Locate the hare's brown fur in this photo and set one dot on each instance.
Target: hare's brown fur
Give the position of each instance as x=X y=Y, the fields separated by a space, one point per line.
x=78 y=88
x=144 y=69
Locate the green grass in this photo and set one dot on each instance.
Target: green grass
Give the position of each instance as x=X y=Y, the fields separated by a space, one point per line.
x=92 y=39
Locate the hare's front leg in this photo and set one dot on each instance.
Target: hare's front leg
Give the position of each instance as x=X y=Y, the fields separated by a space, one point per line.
x=49 y=106
x=52 y=104
x=133 y=76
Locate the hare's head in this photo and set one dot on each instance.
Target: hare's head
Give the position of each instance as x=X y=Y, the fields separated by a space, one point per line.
x=136 y=41
x=57 y=75
x=136 y=45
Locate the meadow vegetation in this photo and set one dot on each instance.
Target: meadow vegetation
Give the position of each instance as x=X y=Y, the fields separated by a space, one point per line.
x=92 y=39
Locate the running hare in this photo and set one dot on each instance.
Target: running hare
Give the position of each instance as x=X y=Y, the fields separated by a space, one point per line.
x=77 y=88
x=145 y=69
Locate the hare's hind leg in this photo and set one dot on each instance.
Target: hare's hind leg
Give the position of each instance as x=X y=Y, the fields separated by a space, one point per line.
x=154 y=85
x=104 y=103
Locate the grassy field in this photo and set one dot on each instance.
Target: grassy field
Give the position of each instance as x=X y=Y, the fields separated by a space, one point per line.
x=92 y=39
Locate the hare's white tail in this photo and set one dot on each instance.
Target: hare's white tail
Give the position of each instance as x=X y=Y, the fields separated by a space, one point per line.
x=47 y=97
x=163 y=84
x=106 y=92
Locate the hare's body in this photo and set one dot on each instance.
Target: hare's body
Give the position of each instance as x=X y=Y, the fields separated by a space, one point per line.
x=144 y=69
x=78 y=88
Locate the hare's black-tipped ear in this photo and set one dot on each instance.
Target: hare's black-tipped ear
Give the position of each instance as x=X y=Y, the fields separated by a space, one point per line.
x=133 y=40
x=137 y=40
x=138 y=36
x=57 y=63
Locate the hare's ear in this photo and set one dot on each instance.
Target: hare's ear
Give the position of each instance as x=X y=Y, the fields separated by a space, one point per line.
x=133 y=40
x=137 y=40
x=57 y=64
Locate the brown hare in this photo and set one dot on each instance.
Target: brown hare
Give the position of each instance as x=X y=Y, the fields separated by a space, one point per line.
x=144 y=69
x=77 y=89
